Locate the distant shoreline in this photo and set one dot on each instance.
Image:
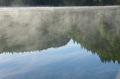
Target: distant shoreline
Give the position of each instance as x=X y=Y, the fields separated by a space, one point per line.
x=59 y=6
x=52 y=9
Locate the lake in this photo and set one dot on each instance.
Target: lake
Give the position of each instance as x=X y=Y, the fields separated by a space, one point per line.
x=60 y=42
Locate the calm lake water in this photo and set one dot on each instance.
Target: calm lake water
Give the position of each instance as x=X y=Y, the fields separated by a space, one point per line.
x=60 y=43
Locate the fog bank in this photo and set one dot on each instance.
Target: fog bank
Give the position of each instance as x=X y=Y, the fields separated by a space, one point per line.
x=30 y=29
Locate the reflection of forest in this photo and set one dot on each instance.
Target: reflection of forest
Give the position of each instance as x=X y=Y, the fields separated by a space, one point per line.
x=101 y=35
x=96 y=29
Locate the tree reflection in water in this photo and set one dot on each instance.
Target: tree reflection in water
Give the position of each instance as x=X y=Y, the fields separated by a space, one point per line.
x=96 y=29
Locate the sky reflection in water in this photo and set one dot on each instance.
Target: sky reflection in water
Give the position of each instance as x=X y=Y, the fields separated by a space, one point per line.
x=67 y=62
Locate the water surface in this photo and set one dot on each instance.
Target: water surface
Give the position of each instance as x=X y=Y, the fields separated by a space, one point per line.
x=60 y=43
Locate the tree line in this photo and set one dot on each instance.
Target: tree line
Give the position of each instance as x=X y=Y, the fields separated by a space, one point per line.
x=58 y=2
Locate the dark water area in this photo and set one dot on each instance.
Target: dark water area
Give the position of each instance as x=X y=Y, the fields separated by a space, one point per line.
x=60 y=43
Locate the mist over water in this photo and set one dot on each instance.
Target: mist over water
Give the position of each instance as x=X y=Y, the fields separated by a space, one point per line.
x=95 y=30
x=35 y=29
x=30 y=29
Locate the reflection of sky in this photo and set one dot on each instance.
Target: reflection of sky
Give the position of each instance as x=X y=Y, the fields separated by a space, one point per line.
x=68 y=62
